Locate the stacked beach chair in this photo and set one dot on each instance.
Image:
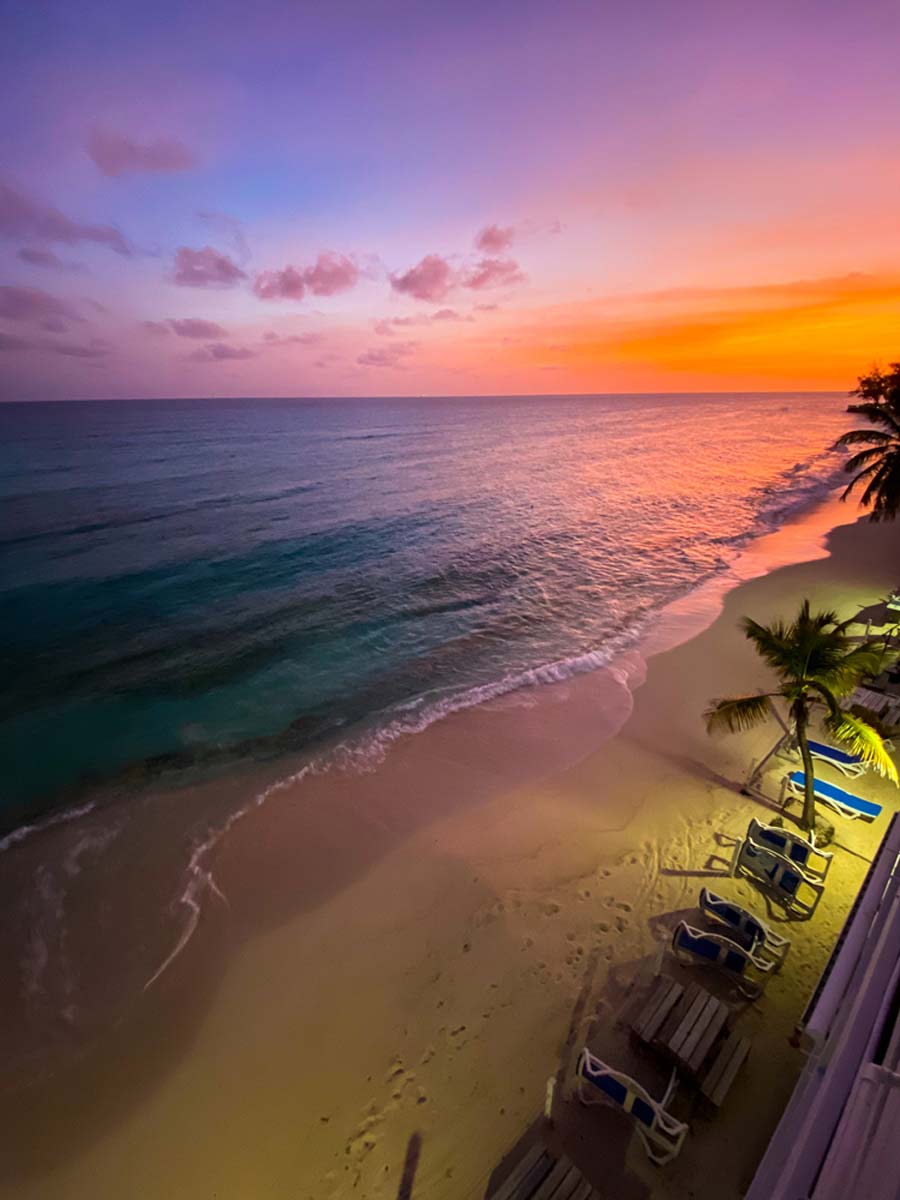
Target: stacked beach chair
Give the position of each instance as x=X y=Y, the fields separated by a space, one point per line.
x=790 y=868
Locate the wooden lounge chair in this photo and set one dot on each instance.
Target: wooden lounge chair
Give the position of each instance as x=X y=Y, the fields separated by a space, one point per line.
x=539 y=1175
x=792 y=846
x=793 y=888
x=660 y=1133
x=693 y=946
x=750 y=930
x=842 y=802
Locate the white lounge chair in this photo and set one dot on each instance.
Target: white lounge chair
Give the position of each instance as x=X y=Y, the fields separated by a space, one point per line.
x=842 y=802
x=696 y=946
x=659 y=1131
x=748 y=928
x=794 y=847
x=793 y=888
x=848 y=764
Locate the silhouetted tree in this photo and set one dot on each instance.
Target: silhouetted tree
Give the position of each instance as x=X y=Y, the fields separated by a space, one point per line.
x=878 y=466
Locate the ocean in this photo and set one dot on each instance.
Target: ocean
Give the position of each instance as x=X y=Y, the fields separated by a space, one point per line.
x=190 y=585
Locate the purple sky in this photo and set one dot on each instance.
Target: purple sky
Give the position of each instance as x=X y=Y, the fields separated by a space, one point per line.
x=393 y=198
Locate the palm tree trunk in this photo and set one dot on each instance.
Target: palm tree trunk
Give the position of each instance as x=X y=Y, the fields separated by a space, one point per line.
x=801 y=722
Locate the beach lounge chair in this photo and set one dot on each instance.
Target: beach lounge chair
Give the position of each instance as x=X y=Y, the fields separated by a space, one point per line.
x=850 y=765
x=795 y=890
x=661 y=1134
x=792 y=846
x=842 y=802
x=695 y=946
x=753 y=932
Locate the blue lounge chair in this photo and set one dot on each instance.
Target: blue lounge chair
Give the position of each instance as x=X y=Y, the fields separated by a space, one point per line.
x=693 y=946
x=750 y=930
x=850 y=765
x=794 y=889
x=842 y=802
x=794 y=847
x=661 y=1134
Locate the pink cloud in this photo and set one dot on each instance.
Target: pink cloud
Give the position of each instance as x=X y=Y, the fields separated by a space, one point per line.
x=195 y=327
x=292 y=339
x=280 y=285
x=493 y=272
x=8 y=342
x=494 y=239
x=387 y=325
x=431 y=279
x=220 y=352
x=390 y=356
x=486 y=307
x=114 y=154
x=22 y=217
x=205 y=268
x=33 y=304
x=447 y=314
x=158 y=328
x=331 y=274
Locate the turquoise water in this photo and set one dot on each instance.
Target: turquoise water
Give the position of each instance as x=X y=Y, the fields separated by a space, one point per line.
x=183 y=584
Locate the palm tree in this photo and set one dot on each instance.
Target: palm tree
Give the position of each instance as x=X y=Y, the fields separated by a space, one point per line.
x=878 y=466
x=816 y=664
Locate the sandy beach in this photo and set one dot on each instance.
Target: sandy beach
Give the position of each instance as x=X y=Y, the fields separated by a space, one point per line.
x=391 y=965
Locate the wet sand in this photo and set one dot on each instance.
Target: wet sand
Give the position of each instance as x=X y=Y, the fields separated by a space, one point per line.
x=394 y=959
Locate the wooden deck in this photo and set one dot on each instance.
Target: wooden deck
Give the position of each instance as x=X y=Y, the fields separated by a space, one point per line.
x=540 y=1176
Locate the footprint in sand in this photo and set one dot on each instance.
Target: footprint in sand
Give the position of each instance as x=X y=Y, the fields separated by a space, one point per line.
x=551 y=909
x=623 y=905
x=428 y=1055
x=602 y=926
x=621 y=924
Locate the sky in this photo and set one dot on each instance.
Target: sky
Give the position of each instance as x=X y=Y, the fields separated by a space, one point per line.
x=438 y=198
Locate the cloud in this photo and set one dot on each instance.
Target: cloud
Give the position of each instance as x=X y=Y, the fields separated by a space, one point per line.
x=33 y=304
x=220 y=352
x=493 y=272
x=387 y=325
x=205 y=267
x=330 y=274
x=292 y=339
x=431 y=279
x=486 y=307
x=46 y=258
x=494 y=239
x=94 y=349
x=280 y=285
x=9 y=342
x=447 y=314
x=114 y=154
x=195 y=327
x=157 y=328
x=387 y=356
x=22 y=217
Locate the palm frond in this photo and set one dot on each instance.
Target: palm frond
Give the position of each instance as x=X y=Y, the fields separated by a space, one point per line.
x=864 y=741
x=737 y=713
x=863 y=435
x=772 y=642
x=865 y=458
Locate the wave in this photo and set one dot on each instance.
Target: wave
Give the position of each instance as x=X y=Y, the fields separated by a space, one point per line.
x=364 y=751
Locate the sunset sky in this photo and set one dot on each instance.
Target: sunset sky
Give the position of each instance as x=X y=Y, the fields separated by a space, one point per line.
x=285 y=198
